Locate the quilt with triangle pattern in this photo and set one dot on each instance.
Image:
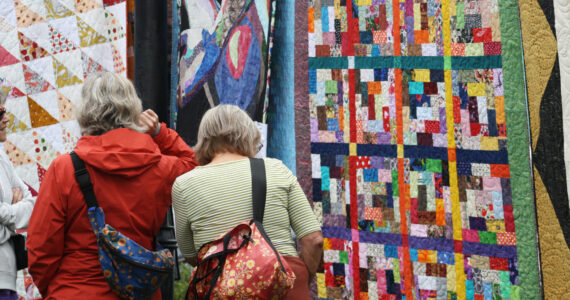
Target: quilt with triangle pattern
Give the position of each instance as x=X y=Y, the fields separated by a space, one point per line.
x=47 y=49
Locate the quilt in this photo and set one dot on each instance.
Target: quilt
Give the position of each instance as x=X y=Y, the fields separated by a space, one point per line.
x=47 y=49
x=545 y=33
x=412 y=138
x=223 y=59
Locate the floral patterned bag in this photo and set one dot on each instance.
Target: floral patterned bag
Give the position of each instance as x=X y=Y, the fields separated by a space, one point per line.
x=132 y=271
x=243 y=263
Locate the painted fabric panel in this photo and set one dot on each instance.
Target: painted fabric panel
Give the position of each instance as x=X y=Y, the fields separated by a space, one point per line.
x=223 y=58
x=419 y=149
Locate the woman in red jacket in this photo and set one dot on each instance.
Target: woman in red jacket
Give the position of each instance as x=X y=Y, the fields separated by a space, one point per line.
x=133 y=162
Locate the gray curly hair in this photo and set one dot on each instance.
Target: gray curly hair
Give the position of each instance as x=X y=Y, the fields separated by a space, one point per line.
x=109 y=101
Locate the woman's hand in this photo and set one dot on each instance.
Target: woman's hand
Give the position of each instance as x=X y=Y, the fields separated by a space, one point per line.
x=149 y=120
x=17 y=195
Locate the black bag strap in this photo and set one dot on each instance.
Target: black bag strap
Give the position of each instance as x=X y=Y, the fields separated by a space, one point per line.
x=84 y=181
x=258 y=188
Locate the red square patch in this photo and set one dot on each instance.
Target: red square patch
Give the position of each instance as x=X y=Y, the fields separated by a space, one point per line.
x=432 y=126
x=492 y=48
x=498 y=263
x=482 y=35
x=458 y=245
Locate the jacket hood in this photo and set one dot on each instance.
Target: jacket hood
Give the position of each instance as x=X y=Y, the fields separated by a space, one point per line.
x=122 y=152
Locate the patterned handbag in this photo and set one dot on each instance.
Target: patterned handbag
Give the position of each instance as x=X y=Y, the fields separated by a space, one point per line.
x=132 y=271
x=243 y=263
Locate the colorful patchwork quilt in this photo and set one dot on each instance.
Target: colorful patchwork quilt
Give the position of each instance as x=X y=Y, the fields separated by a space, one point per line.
x=47 y=48
x=418 y=146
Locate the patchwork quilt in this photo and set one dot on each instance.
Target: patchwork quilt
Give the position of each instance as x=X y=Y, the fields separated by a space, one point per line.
x=47 y=49
x=418 y=146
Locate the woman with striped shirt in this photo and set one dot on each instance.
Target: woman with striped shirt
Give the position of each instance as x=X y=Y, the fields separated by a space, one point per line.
x=215 y=197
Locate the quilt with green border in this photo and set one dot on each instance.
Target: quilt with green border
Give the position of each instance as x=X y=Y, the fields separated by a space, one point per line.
x=419 y=156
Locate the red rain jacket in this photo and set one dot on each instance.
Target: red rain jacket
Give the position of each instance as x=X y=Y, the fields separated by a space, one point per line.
x=132 y=174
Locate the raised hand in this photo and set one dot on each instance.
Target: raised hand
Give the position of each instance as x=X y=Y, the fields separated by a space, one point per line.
x=149 y=120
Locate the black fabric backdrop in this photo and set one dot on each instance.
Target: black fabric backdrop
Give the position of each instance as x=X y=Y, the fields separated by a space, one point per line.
x=152 y=48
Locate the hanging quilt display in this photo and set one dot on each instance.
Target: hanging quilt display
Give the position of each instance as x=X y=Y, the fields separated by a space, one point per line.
x=412 y=137
x=223 y=59
x=47 y=48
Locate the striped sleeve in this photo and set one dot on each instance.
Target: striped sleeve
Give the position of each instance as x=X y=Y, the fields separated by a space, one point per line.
x=181 y=217
x=303 y=219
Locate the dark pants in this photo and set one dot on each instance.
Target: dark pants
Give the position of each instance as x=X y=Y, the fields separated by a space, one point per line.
x=8 y=295
x=300 y=290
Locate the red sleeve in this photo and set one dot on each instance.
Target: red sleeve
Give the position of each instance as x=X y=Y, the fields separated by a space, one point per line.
x=171 y=144
x=46 y=232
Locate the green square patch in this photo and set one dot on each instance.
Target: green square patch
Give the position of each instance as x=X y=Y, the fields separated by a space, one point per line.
x=331 y=87
x=343 y=255
x=460 y=17
x=396 y=264
x=395 y=183
x=488 y=237
x=447 y=62
x=505 y=278
x=433 y=165
x=515 y=292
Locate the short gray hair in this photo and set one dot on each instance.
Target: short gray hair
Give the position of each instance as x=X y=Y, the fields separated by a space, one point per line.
x=226 y=128
x=109 y=101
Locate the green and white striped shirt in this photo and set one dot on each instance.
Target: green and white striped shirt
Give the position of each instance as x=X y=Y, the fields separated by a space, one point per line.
x=210 y=200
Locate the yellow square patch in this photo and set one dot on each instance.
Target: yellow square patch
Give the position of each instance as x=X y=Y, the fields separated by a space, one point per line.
x=475 y=89
x=352 y=149
x=422 y=75
x=489 y=143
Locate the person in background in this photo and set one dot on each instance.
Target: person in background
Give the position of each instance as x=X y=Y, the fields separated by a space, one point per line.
x=216 y=196
x=16 y=205
x=132 y=160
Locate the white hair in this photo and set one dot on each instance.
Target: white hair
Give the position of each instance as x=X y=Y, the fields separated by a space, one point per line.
x=109 y=102
x=226 y=128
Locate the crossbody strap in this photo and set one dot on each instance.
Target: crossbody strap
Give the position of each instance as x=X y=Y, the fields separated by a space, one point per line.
x=84 y=181
x=258 y=188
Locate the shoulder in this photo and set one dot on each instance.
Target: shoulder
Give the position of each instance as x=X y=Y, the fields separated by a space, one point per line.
x=276 y=167
x=62 y=168
x=189 y=179
x=275 y=163
x=61 y=162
